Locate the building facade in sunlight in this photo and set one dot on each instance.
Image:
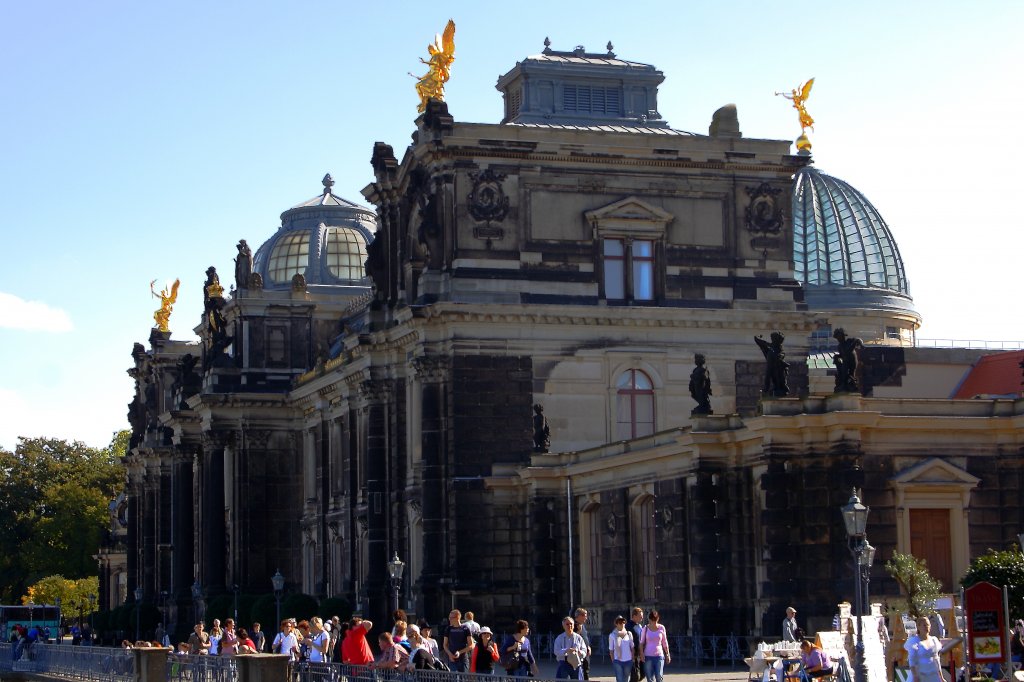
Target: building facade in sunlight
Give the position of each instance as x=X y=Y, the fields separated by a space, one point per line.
x=369 y=387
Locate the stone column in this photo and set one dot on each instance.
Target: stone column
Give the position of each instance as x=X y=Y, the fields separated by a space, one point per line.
x=182 y=532
x=377 y=395
x=212 y=515
x=433 y=374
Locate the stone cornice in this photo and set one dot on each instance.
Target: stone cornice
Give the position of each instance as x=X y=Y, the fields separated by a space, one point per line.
x=680 y=318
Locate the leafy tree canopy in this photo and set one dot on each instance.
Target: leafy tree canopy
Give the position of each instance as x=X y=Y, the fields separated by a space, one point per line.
x=74 y=594
x=1000 y=568
x=53 y=499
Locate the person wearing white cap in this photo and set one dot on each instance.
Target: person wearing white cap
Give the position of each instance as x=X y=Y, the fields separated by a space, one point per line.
x=789 y=626
x=484 y=655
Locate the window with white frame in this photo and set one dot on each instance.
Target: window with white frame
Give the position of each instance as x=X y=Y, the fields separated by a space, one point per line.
x=634 y=405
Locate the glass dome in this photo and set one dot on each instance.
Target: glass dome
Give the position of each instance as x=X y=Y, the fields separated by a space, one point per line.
x=840 y=239
x=324 y=239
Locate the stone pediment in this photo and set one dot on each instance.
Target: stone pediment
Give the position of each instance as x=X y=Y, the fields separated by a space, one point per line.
x=935 y=471
x=931 y=481
x=631 y=214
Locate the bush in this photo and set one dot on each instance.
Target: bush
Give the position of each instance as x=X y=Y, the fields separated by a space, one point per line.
x=299 y=606
x=1000 y=568
x=219 y=607
x=264 y=612
x=335 y=606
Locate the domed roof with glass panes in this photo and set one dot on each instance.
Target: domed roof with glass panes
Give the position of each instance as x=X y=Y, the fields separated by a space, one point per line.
x=843 y=251
x=323 y=239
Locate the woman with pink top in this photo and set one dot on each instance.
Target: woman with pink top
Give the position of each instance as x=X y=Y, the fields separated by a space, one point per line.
x=654 y=648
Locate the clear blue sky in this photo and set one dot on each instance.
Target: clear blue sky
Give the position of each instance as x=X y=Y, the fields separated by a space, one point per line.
x=141 y=140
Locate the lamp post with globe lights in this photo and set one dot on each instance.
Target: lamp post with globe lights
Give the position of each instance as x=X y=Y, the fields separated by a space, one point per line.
x=277 y=580
x=395 y=569
x=855 y=518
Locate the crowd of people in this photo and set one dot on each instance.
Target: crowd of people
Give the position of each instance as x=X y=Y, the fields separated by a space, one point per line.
x=637 y=650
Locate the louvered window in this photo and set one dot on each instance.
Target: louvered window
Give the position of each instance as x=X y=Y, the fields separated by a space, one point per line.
x=594 y=100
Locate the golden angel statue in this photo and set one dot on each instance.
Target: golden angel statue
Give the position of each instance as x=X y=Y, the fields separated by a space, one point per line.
x=167 y=299
x=798 y=98
x=442 y=54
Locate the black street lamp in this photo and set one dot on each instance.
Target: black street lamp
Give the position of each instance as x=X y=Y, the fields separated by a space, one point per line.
x=855 y=517
x=60 y=636
x=395 y=570
x=138 y=604
x=31 y=606
x=197 y=598
x=867 y=558
x=92 y=607
x=277 y=580
x=235 y=588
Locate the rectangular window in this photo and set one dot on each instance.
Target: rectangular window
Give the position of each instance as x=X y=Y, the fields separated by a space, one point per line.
x=642 y=550
x=614 y=269
x=643 y=270
x=629 y=269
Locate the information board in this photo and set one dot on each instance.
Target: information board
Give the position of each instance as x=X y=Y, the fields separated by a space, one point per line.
x=985 y=634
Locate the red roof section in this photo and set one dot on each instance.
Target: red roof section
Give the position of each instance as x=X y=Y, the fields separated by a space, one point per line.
x=999 y=374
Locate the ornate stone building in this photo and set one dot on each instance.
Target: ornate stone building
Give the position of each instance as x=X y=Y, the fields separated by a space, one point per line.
x=577 y=255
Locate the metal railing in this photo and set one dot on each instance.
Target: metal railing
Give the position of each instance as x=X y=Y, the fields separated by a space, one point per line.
x=304 y=671
x=92 y=664
x=186 y=668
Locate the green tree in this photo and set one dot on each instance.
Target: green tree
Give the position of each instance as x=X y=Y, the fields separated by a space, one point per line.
x=53 y=499
x=74 y=594
x=1000 y=568
x=919 y=588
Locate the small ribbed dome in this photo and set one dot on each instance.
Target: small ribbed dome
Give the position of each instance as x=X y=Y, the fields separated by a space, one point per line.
x=839 y=238
x=324 y=239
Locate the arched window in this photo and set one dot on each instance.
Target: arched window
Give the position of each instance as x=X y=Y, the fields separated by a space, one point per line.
x=634 y=413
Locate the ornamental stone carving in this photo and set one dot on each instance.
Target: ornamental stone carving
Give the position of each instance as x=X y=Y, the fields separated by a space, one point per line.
x=432 y=368
x=487 y=201
x=764 y=214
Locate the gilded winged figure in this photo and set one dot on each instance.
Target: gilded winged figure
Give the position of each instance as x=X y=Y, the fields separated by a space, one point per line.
x=167 y=299
x=442 y=54
x=798 y=96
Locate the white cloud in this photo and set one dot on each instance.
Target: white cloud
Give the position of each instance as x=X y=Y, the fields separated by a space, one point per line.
x=17 y=313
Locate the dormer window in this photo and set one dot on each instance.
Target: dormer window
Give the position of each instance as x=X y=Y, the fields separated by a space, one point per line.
x=630 y=236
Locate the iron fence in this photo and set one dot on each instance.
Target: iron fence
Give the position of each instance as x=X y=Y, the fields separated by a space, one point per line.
x=91 y=664
x=305 y=671
x=187 y=668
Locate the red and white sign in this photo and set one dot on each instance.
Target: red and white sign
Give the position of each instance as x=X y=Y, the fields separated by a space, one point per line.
x=985 y=622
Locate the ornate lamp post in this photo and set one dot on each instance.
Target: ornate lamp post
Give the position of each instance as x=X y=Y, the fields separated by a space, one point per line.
x=395 y=569
x=235 y=588
x=277 y=580
x=60 y=637
x=92 y=607
x=138 y=604
x=867 y=559
x=855 y=517
x=197 y=599
x=31 y=607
